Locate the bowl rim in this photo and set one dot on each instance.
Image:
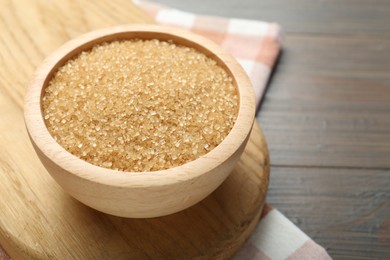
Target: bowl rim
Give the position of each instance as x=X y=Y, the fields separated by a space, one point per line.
x=44 y=141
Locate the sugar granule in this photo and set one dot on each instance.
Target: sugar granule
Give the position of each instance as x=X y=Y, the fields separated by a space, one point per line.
x=140 y=105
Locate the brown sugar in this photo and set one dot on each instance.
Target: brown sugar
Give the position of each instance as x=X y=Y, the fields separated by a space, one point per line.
x=140 y=105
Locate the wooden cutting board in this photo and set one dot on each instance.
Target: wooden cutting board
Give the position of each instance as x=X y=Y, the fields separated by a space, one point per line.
x=39 y=220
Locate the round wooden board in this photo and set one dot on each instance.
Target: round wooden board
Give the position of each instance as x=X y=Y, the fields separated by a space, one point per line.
x=45 y=222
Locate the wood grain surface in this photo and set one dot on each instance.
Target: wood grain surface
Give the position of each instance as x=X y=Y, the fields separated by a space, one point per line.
x=356 y=226
x=48 y=223
x=326 y=117
x=335 y=110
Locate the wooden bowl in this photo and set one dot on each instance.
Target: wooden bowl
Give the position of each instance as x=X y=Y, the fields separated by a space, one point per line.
x=139 y=194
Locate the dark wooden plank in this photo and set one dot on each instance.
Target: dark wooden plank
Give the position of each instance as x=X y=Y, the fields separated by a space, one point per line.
x=302 y=16
x=346 y=211
x=329 y=103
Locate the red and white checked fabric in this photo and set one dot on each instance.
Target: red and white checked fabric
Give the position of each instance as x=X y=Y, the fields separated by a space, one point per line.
x=256 y=45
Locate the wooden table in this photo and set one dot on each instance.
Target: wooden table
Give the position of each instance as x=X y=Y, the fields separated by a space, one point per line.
x=326 y=114
x=326 y=117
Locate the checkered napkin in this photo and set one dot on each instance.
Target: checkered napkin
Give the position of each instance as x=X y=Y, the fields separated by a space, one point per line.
x=256 y=46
